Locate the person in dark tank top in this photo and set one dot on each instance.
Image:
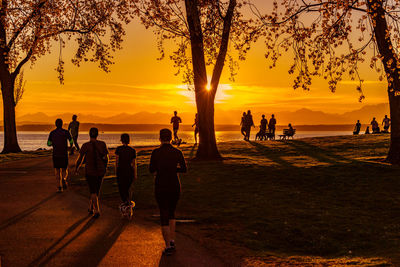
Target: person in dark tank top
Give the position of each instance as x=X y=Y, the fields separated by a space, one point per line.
x=125 y=165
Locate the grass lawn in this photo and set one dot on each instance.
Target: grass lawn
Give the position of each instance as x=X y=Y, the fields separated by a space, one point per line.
x=326 y=200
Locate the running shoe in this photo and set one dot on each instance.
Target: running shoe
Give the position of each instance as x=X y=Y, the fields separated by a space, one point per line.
x=59 y=189
x=168 y=251
x=172 y=244
x=64 y=184
x=96 y=215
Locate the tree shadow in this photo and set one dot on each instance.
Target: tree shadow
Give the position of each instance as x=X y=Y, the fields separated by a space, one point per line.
x=41 y=259
x=170 y=261
x=318 y=153
x=271 y=154
x=23 y=214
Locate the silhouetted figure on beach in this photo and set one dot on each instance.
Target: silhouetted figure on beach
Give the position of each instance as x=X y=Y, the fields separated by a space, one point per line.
x=290 y=130
x=125 y=168
x=167 y=161
x=357 y=128
x=272 y=125
x=248 y=124
x=175 y=120
x=386 y=124
x=375 y=126
x=262 y=134
x=243 y=125
x=367 y=130
x=95 y=156
x=196 y=128
x=73 y=128
x=58 y=139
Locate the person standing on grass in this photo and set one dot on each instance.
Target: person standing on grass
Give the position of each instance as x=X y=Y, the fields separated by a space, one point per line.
x=58 y=139
x=167 y=161
x=95 y=155
x=249 y=123
x=125 y=168
x=272 y=124
x=243 y=126
x=196 y=128
x=175 y=120
x=386 y=124
x=73 y=128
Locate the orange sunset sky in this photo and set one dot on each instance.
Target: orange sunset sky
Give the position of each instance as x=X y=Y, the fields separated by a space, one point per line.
x=139 y=82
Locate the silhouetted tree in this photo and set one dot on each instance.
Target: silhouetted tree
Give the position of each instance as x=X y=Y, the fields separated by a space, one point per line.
x=331 y=38
x=207 y=33
x=28 y=29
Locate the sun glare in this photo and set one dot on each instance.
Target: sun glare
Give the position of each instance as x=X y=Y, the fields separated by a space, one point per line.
x=208 y=86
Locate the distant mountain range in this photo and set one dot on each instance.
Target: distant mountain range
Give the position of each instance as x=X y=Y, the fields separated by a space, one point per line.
x=298 y=117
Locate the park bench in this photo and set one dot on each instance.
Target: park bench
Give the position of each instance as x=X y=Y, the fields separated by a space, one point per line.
x=287 y=134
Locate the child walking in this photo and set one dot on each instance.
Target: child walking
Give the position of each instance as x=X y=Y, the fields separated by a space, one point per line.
x=125 y=165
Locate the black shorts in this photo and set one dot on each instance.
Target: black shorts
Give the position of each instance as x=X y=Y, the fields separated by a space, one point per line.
x=60 y=162
x=94 y=183
x=167 y=202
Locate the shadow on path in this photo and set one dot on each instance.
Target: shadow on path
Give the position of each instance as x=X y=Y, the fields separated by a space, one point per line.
x=41 y=260
x=23 y=214
x=99 y=246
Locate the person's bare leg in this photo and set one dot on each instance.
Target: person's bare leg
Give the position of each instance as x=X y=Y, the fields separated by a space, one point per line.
x=58 y=175
x=95 y=203
x=172 y=226
x=64 y=174
x=166 y=235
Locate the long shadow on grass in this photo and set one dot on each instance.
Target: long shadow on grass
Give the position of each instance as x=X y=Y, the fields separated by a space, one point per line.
x=318 y=153
x=271 y=154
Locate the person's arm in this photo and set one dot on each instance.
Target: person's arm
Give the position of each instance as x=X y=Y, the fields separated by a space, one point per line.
x=134 y=166
x=152 y=166
x=182 y=164
x=49 y=141
x=116 y=162
x=69 y=127
x=79 y=162
x=180 y=120
x=69 y=137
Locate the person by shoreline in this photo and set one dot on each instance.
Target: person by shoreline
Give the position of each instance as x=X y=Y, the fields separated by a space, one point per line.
x=95 y=155
x=58 y=139
x=175 y=120
x=386 y=124
x=357 y=128
x=196 y=128
x=166 y=162
x=248 y=124
x=126 y=171
x=73 y=128
x=272 y=125
x=243 y=126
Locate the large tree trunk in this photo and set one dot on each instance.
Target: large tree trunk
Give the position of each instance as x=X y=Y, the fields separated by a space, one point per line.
x=204 y=99
x=10 y=129
x=391 y=62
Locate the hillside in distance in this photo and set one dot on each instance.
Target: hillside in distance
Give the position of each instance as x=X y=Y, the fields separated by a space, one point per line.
x=296 y=117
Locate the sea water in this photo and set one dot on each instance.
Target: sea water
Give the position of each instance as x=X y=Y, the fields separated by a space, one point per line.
x=36 y=140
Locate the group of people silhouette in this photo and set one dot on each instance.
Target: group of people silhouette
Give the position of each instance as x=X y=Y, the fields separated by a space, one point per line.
x=264 y=133
x=374 y=126
x=165 y=163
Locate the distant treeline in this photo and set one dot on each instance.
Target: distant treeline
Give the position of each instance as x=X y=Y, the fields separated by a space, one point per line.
x=156 y=127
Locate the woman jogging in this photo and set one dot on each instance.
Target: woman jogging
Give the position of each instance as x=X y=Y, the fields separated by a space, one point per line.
x=167 y=161
x=125 y=165
x=95 y=155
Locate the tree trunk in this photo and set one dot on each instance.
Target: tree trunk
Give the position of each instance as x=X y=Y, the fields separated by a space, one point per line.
x=391 y=62
x=10 y=129
x=204 y=99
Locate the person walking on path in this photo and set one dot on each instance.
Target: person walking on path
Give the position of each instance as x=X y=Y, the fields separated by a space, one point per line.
x=196 y=129
x=175 y=120
x=386 y=124
x=263 y=125
x=95 y=155
x=73 y=128
x=243 y=126
x=248 y=124
x=125 y=166
x=58 y=139
x=167 y=161
x=272 y=124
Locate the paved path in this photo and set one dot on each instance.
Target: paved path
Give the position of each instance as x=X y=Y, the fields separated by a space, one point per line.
x=39 y=227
